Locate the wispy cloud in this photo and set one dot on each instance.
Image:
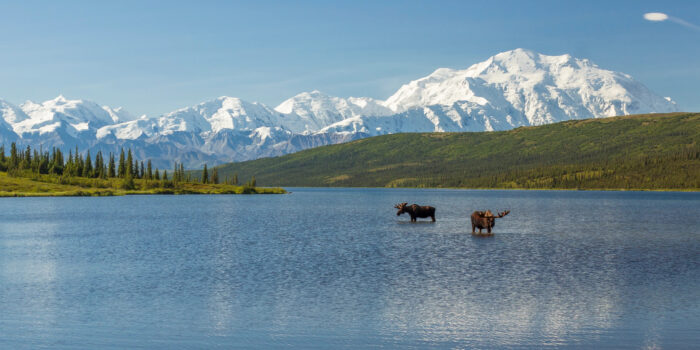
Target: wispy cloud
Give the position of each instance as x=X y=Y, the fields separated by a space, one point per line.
x=660 y=17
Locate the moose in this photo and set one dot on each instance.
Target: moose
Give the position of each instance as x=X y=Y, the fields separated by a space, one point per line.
x=416 y=211
x=485 y=220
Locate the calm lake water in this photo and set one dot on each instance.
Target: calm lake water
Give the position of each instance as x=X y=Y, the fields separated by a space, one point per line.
x=336 y=268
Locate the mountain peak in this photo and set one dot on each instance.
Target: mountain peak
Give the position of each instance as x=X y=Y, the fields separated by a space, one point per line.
x=60 y=99
x=517 y=52
x=227 y=98
x=536 y=87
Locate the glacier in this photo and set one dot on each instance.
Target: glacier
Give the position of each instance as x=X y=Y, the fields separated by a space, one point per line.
x=511 y=89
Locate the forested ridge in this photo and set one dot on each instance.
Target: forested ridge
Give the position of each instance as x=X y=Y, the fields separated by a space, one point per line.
x=648 y=152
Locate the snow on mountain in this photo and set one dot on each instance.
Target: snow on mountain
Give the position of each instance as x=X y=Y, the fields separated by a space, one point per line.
x=536 y=88
x=462 y=116
x=9 y=112
x=129 y=130
x=511 y=89
x=74 y=116
x=119 y=114
x=317 y=110
x=219 y=114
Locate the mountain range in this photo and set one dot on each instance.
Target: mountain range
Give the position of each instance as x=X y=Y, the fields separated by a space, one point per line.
x=511 y=89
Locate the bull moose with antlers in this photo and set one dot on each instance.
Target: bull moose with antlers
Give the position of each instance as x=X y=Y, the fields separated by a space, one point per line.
x=485 y=220
x=416 y=211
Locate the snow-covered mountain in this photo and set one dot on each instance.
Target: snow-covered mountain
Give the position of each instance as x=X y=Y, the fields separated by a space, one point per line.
x=9 y=113
x=521 y=87
x=119 y=114
x=511 y=89
x=74 y=116
x=316 y=110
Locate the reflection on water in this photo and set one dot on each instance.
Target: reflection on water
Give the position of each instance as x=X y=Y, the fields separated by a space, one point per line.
x=338 y=269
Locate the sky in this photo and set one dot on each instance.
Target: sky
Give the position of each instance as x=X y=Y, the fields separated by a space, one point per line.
x=152 y=57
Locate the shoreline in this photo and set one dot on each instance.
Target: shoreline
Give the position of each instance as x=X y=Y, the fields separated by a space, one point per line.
x=48 y=186
x=511 y=189
x=257 y=190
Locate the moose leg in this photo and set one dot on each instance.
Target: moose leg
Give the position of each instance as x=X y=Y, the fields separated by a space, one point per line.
x=433 y=217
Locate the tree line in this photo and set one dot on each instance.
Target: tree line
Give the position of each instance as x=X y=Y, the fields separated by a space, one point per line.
x=101 y=166
x=206 y=177
x=54 y=162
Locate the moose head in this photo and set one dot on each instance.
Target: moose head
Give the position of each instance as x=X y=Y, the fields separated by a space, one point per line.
x=401 y=207
x=485 y=220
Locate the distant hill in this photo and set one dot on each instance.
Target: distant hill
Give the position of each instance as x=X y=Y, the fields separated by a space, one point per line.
x=653 y=151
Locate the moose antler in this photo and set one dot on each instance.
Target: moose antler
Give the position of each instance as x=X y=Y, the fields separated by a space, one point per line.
x=400 y=205
x=487 y=214
x=502 y=214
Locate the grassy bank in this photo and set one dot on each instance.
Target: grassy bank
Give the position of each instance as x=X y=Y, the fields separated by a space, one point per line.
x=35 y=185
x=641 y=152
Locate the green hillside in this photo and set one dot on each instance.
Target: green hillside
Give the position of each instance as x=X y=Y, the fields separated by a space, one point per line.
x=657 y=151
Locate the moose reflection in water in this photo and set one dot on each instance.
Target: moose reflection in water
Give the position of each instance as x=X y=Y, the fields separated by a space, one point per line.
x=416 y=211
x=485 y=220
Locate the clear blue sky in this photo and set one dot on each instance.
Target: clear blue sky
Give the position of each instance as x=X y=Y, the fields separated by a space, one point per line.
x=153 y=57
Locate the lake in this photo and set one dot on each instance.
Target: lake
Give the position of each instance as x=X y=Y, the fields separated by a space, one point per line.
x=336 y=268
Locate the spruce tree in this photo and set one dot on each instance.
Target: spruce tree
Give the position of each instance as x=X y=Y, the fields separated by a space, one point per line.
x=87 y=167
x=14 y=157
x=78 y=170
x=122 y=164
x=58 y=164
x=53 y=164
x=26 y=162
x=205 y=175
x=137 y=169
x=100 y=166
x=214 y=176
x=96 y=164
x=129 y=164
x=111 y=169
x=69 y=164
x=157 y=175
x=165 y=175
x=79 y=164
x=149 y=171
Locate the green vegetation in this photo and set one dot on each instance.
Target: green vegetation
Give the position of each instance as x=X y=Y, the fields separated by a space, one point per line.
x=646 y=152
x=39 y=173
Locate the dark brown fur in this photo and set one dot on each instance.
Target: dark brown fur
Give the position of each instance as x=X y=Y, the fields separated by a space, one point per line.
x=485 y=220
x=416 y=211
